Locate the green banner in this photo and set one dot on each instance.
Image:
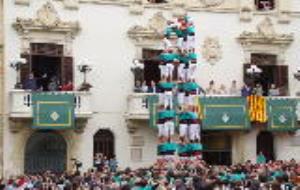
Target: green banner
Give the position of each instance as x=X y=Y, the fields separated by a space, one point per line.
x=224 y=113
x=53 y=111
x=152 y=102
x=281 y=114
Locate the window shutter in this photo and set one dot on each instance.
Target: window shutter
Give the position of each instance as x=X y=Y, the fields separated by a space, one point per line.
x=67 y=69
x=25 y=68
x=281 y=79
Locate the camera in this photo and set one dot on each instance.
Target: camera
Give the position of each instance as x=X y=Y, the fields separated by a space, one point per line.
x=77 y=163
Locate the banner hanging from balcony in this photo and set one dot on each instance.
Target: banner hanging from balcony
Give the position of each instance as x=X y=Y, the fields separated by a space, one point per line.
x=224 y=113
x=53 y=111
x=152 y=102
x=282 y=114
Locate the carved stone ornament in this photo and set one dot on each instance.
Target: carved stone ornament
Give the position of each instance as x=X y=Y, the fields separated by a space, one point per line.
x=47 y=20
x=211 y=50
x=212 y=3
x=265 y=34
x=136 y=7
x=22 y=2
x=153 y=31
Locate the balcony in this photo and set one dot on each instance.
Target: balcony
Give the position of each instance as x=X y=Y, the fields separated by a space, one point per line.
x=138 y=110
x=137 y=106
x=21 y=104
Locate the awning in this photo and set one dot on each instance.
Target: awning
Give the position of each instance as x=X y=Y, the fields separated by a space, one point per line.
x=224 y=113
x=53 y=111
x=281 y=114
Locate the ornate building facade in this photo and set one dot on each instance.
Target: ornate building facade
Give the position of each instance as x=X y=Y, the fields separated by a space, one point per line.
x=59 y=35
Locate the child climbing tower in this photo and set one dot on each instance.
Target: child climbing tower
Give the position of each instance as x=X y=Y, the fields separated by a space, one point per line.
x=178 y=91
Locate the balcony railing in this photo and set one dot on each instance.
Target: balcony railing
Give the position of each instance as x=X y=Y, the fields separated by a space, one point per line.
x=137 y=107
x=21 y=104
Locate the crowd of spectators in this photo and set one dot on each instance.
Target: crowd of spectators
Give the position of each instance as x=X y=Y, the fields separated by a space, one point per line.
x=165 y=174
x=46 y=83
x=233 y=90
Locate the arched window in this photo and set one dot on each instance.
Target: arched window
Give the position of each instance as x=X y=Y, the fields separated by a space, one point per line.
x=104 y=143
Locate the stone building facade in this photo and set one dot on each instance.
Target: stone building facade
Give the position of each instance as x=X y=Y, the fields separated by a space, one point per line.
x=110 y=34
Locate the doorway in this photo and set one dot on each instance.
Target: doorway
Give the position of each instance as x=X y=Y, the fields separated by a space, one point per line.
x=265 y=144
x=49 y=59
x=46 y=68
x=151 y=65
x=217 y=148
x=45 y=151
x=104 y=143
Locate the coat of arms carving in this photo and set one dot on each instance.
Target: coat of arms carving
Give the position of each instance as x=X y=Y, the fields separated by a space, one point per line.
x=211 y=50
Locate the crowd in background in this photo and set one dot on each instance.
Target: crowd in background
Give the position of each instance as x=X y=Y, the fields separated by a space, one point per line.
x=212 y=89
x=165 y=174
x=46 y=83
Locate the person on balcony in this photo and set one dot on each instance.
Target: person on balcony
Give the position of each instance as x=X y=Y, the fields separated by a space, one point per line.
x=258 y=90
x=144 y=87
x=53 y=84
x=234 y=91
x=246 y=90
x=273 y=91
x=222 y=90
x=30 y=83
x=211 y=90
x=137 y=87
x=152 y=88
x=67 y=86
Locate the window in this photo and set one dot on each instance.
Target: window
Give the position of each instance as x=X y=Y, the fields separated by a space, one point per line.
x=151 y=65
x=47 y=63
x=265 y=5
x=157 y=1
x=136 y=154
x=104 y=143
x=271 y=73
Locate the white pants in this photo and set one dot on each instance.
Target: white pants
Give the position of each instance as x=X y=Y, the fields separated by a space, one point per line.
x=160 y=130
x=183 y=130
x=194 y=132
x=169 y=69
x=167 y=44
x=168 y=99
x=191 y=42
x=169 y=128
x=180 y=43
x=191 y=99
x=163 y=70
x=191 y=71
x=181 y=71
x=180 y=98
x=161 y=98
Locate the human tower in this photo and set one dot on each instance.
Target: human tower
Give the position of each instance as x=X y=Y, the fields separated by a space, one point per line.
x=178 y=91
